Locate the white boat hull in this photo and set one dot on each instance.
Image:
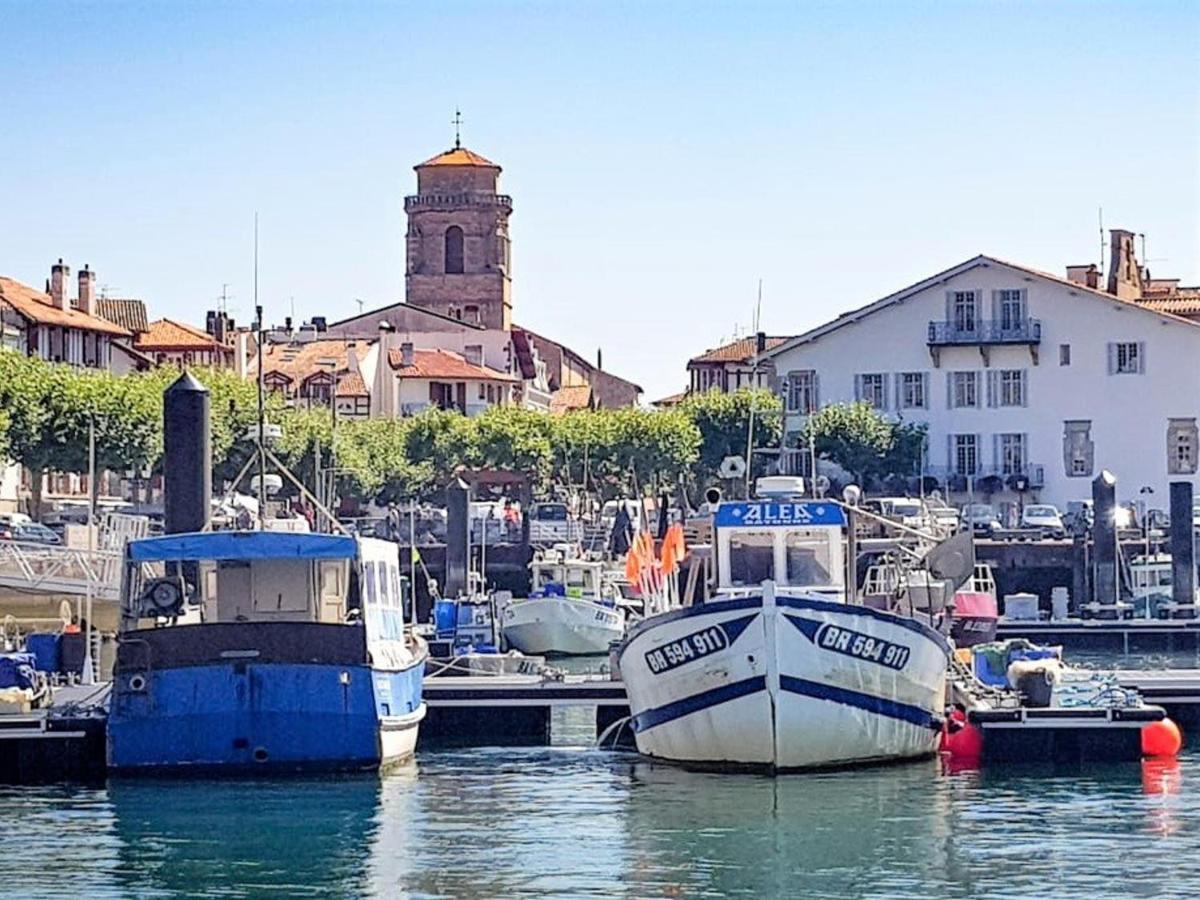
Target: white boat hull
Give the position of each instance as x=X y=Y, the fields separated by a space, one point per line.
x=398 y=737
x=561 y=626
x=784 y=682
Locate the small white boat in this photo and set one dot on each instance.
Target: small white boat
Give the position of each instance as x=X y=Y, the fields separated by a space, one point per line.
x=778 y=671
x=572 y=610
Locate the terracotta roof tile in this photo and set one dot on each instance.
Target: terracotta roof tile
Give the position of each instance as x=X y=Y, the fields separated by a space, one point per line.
x=741 y=350
x=1180 y=304
x=459 y=156
x=35 y=306
x=129 y=314
x=168 y=335
x=672 y=400
x=352 y=385
x=301 y=360
x=443 y=364
x=572 y=397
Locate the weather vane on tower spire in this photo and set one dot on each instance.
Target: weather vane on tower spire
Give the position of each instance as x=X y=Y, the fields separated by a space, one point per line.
x=457 y=129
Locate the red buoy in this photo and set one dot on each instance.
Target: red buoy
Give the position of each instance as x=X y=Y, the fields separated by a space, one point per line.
x=1162 y=738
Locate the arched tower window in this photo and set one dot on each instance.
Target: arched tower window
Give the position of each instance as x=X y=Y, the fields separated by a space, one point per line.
x=454 y=250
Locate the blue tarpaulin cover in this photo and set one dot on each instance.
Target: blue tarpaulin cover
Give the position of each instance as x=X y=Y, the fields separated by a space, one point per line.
x=242 y=545
x=16 y=670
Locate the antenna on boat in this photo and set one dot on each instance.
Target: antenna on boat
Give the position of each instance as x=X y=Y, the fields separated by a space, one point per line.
x=262 y=419
x=753 y=396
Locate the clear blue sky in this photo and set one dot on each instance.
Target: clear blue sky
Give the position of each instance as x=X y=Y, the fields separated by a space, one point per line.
x=662 y=157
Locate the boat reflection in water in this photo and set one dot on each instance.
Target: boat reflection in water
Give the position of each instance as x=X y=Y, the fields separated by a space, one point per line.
x=239 y=837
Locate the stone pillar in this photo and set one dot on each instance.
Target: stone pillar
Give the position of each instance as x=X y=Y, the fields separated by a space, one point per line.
x=1104 y=534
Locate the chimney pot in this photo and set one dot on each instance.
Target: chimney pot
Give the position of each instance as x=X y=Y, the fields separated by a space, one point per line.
x=58 y=284
x=760 y=342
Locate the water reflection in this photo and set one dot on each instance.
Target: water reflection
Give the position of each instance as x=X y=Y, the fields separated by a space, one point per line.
x=293 y=837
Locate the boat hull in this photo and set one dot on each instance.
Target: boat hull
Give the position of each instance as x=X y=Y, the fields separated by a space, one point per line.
x=251 y=710
x=781 y=683
x=548 y=626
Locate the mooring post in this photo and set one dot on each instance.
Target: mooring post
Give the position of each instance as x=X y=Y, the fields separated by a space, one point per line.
x=1183 y=549
x=1104 y=528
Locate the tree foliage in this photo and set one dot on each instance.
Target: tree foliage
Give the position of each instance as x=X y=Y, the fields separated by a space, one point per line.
x=724 y=424
x=864 y=442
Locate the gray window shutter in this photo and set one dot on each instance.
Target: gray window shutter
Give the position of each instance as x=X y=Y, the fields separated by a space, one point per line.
x=992 y=400
x=1112 y=358
x=950 y=452
x=1141 y=357
x=1024 y=387
x=884 y=399
x=816 y=395
x=899 y=386
x=978 y=453
x=925 y=401
x=1025 y=451
x=949 y=390
x=949 y=306
x=858 y=387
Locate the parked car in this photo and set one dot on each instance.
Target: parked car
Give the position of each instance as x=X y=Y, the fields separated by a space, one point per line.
x=905 y=510
x=33 y=533
x=1045 y=518
x=945 y=519
x=982 y=518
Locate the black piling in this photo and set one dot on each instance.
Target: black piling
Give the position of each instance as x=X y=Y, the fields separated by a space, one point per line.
x=187 y=456
x=1104 y=531
x=458 y=497
x=1183 y=551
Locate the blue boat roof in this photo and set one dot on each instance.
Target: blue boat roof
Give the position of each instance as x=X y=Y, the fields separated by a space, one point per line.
x=205 y=545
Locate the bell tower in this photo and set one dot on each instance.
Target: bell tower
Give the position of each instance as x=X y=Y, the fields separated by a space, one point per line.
x=458 y=247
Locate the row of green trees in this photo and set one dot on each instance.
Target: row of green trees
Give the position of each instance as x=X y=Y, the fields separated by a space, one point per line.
x=46 y=412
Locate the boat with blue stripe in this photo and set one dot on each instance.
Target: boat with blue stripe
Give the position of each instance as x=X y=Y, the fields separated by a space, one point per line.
x=264 y=650
x=779 y=670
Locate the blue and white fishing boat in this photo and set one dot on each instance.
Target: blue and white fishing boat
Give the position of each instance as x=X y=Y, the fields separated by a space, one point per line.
x=780 y=669
x=264 y=650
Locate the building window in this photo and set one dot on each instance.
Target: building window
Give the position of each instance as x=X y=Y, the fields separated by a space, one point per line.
x=1010 y=309
x=1006 y=387
x=1064 y=354
x=1126 y=358
x=1079 y=451
x=873 y=389
x=802 y=392
x=454 y=250
x=1182 y=439
x=964 y=390
x=964 y=311
x=913 y=393
x=1010 y=453
x=964 y=454
x=471 y=313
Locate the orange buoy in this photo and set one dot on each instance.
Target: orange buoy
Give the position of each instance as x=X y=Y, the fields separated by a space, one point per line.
x=1162 y=738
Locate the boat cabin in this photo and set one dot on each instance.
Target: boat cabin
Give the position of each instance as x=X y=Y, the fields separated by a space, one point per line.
x=260 y=576
x=580 y=579
x=796 y=544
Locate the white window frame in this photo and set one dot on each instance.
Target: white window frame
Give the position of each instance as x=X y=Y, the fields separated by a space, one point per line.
x=1012 y=453
x=1126 y=358
x=880 y=385
x=968 y=381
x=802 y=385
x=912 y=390
x=963 y=448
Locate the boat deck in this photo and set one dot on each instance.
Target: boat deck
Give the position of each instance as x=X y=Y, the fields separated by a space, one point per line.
x=1119 y=635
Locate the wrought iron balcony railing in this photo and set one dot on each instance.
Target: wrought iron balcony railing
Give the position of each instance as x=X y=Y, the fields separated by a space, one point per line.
x=995 y=331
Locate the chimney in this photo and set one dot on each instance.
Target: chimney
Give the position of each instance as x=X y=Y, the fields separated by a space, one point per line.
x=599 y=359
x=220 y=327
x=58 y=284
x=760 y=343
x=1124 y=274
x=287 y=324
x=320 y=323
x=1088 y=276
x=352 y=358
x=87 y=291
x=210 y=322
x=383 y=391
x=406 y=353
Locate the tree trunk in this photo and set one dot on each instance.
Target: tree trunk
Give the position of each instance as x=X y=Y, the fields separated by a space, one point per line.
x=36 y=480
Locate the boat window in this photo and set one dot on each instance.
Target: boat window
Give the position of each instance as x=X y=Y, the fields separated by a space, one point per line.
x=369 y=581
x=808 y=563
x=751 y=558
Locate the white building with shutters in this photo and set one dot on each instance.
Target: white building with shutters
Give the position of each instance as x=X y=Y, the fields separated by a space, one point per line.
x=1029 y=384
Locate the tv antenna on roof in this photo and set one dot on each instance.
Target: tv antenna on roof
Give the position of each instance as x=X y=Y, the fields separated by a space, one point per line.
x=358 y=300
x=224 y=298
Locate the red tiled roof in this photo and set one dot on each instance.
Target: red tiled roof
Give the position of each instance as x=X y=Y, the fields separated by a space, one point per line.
x=129 y=314
x=352 y=385
x=35 y=306
x=459 y=156
x=442 y=364
x=301 y=360
x=1180 y=304
x=168 y=335
x=566 y=399
x=741 y=350
x=672 y=400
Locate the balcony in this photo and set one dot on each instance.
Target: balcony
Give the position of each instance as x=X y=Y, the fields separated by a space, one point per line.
x=457 y=201
x=985 y=335
x=990 y=478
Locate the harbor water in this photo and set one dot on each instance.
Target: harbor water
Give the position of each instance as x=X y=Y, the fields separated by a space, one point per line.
x=570 y=821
